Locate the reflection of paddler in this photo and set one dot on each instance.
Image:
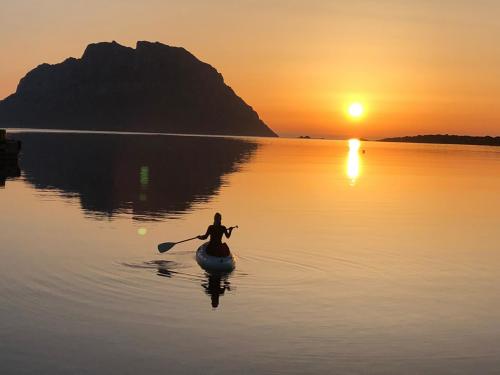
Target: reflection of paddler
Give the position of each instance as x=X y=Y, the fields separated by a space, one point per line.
x=216 y=286
x=215 y=246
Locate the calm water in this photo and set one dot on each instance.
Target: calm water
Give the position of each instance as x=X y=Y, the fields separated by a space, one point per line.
x=382 y=260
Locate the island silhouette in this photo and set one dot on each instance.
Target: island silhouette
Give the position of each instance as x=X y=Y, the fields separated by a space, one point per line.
x=147 y=177
x=447 y=139
x=152 y=88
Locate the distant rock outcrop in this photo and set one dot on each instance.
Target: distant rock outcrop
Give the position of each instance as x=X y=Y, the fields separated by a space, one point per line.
x=447 y=139
x=152 y=88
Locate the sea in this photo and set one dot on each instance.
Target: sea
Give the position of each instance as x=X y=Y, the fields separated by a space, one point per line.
x=352 y=257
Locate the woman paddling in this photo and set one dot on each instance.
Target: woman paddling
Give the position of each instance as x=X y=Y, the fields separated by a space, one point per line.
x=215 y=246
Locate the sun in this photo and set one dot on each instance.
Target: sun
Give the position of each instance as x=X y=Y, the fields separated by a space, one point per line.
x=355 y=110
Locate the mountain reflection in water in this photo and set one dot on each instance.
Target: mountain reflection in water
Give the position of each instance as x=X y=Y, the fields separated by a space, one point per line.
x=151 y=177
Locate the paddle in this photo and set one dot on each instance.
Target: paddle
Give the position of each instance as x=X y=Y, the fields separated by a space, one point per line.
x=168 y=245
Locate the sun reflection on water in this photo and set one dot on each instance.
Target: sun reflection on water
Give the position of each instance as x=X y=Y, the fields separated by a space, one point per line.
x=353 y=165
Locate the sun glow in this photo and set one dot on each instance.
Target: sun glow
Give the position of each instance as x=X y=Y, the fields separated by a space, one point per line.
x=353 y=167
x=354 y=145
x=355 y=110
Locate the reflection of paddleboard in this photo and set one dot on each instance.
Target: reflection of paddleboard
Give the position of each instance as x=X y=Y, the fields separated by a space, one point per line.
x=211 y=263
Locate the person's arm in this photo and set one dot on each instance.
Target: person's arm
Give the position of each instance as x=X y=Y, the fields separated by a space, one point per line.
x=228 y=231
x=205 y=236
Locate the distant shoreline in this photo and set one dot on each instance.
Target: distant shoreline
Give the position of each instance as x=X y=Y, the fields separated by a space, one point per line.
x=428 y=138
x=446 y=139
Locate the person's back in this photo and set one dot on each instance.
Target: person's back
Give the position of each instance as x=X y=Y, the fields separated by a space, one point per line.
x=216 y=231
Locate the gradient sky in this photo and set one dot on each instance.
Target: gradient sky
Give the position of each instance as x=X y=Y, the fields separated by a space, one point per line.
x=417 y=66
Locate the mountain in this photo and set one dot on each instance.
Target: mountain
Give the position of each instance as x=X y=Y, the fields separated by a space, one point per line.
x=152 y=88
x=447 y=139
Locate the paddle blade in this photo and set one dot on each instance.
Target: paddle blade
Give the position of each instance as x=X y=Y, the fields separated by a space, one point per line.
x=165 y=246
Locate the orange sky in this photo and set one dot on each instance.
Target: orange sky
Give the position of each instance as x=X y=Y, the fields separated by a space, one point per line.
x=418 y=67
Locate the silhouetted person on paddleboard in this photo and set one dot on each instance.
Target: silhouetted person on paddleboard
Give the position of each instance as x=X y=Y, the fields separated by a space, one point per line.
x=216 y=231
